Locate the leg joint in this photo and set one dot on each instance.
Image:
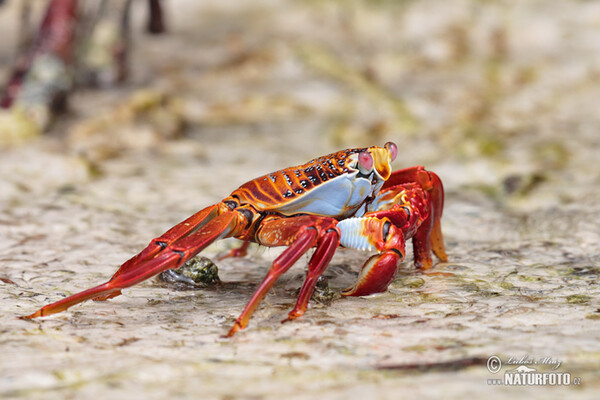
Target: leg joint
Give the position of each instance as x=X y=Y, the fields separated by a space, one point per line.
x=248 y=215
x=180 y=253
x=397 y=251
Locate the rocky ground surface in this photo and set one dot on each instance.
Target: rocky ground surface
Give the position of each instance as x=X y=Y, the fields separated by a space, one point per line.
x=499 y=98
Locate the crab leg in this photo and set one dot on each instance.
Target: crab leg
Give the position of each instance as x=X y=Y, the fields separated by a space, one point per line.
x=234 y=253
x=429 y=234
x=305 y=232
x=160 y=243
x=424 y=241
x=180 y=230
x=54 y=43
x=316 y=266
x=281 y=264
x=173 y=256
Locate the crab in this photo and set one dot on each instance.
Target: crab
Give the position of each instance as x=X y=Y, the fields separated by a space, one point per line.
x=350 y=198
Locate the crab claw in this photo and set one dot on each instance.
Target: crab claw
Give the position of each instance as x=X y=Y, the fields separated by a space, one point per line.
x=376 y=275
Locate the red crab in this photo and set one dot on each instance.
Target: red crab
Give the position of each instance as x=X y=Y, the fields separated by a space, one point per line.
x=349 y=198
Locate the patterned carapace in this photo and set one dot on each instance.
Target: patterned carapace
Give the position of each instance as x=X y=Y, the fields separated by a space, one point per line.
x=286 y=184
x=335 y=185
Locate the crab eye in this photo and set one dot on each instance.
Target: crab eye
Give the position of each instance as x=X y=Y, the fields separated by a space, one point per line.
x=393 y=149
x=365 y=160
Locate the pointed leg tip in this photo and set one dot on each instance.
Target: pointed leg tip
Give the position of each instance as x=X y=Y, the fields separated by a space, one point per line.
x=36 y=314
x=438 y=273
x=235 y=253
x=423 y=265
x=236 y=327
x=292 y=316
x=231 y=333
x=441 y=255
x=228 y=255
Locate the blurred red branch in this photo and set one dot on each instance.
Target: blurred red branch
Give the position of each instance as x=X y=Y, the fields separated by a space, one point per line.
x=55 y=37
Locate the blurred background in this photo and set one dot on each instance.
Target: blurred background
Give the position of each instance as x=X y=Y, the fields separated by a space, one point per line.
x=120 y=118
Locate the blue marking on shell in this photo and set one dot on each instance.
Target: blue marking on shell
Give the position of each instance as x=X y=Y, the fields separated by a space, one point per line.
x=361 y=211
x=338 y=197
x=352 y=235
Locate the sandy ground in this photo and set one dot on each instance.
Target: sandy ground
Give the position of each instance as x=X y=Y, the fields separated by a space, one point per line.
x=499 y=98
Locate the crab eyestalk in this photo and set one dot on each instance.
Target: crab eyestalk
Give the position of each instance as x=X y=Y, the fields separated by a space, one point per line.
x=392 y=149
x=365 y=162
